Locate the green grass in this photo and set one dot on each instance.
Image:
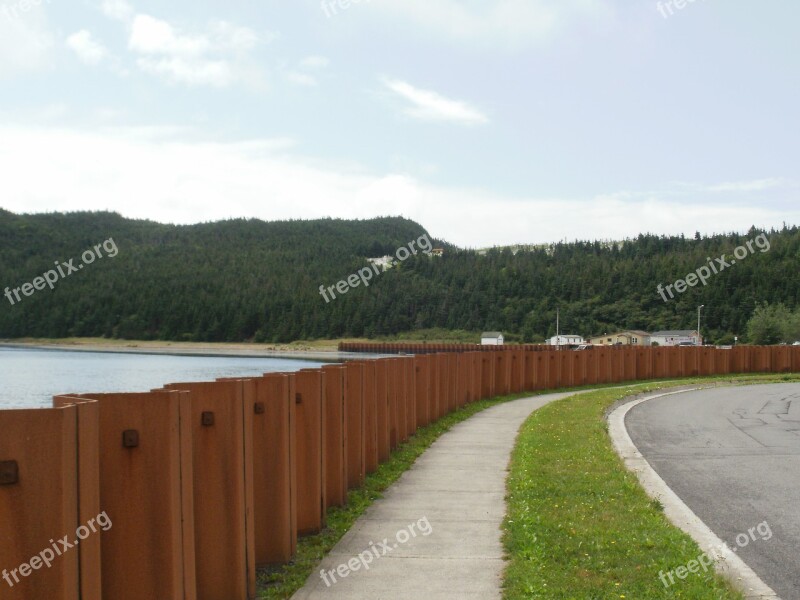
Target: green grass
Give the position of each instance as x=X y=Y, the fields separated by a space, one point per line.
x=283 y=581
x=579 y=526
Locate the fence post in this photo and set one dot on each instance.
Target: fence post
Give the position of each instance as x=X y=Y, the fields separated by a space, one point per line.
x=335 y=426
x=274 y=478
x=310 y=406
x=146 y=489
x=222 y=488
x=356 y=438
x=370 y=416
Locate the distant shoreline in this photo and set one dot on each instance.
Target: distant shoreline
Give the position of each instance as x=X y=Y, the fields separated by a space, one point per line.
x=222 y=350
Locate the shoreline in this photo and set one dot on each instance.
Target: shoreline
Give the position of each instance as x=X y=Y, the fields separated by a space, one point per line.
x=209 y=350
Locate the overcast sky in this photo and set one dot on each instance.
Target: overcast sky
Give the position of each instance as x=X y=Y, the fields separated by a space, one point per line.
x=488 y=121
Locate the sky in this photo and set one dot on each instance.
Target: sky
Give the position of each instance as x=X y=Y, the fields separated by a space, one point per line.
x=489 y=122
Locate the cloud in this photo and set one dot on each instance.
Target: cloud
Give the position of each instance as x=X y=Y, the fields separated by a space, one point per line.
x=301 y=78
x=315 y=62
x=218 y=57
x=498 y=22
x=88 y=50
x=756 y=185
x=430 y=106
x=158 y=174
x=302 y=75
x=118 y=10
x=26 y=41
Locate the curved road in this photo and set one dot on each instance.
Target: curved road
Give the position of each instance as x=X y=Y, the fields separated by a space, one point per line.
x=733 y=456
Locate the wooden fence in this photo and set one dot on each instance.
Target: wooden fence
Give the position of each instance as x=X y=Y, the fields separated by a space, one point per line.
x=202 y=483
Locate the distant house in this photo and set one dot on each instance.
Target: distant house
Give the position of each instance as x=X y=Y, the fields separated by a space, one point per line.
x=678 y=337
x=437 y=252
x=492 y=338
x=566 y=340
x=633 y=337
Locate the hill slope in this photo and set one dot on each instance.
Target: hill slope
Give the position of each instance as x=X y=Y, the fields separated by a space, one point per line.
x=246 y=279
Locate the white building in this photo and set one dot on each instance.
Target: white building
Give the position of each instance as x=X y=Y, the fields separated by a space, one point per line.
x=384 y=263
x=566 y=340
x=492 y=338
x=676 y=338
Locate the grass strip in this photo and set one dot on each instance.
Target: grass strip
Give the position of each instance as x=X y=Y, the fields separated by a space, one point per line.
x=579 y=526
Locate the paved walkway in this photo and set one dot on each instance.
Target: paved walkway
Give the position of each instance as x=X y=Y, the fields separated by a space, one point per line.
x=436 y=533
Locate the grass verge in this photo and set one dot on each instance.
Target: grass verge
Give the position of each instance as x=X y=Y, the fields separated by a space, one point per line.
x=578 y=525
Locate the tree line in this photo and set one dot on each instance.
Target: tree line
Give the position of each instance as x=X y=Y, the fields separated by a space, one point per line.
x=249 y=280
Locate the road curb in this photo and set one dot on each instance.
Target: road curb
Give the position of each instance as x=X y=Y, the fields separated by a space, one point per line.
x=729 y=565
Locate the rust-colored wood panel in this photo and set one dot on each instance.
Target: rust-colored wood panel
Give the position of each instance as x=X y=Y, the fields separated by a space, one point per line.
x=502 y=373
x=476 y=383
x=382 y=409
x=335 y=435
x=310 y=466
x=393 y=401
x=336 y=420
x=39 y=502
x=517 y=370
x=763 y=359
x=274 y=495
x=422 y=389
x=411 y=395
x=221 y=479
x=142 y=491
x=88 y=431
x=356 y=439
x=553 y=367
x=370 y=417
x=487 y=375
x=644 y=363
x=402 y=400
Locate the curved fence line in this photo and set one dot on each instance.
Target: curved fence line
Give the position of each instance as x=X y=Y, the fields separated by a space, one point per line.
x=202 y=483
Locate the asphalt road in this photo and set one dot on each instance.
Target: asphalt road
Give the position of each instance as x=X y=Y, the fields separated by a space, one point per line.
x=733 y=456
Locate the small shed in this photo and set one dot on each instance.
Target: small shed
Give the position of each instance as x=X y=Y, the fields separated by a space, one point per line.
x=491 y=338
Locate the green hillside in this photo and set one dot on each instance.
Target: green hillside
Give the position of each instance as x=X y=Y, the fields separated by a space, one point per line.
x=245 y=280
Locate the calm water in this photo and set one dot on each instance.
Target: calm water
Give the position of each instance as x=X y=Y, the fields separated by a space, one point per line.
x=30 y=378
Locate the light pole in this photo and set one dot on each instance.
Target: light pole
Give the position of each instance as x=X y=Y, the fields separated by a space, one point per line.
x=558 y=337
x=698 y=323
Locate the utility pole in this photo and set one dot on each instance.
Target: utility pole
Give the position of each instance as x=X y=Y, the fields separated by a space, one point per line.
x=558 y=336
x=699 y=338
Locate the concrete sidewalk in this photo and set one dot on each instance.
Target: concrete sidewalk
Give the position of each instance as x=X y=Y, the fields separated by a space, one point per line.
x=441 y=520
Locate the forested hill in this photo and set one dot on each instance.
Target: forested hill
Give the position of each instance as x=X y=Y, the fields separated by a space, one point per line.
x=250 y=280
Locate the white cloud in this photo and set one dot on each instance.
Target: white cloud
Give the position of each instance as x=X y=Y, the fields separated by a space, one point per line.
x=218 y=57
x=26 y=42
x=154 y=36
x=88 y=50
x=430 y=106
x=499 y=22
x=119 y=10
x=193 y=182
x=216 y=73
x=301 y=78
x=315 y=62
x=756 y=185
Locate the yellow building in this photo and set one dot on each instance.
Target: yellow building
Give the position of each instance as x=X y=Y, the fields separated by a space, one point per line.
x=622 y=338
